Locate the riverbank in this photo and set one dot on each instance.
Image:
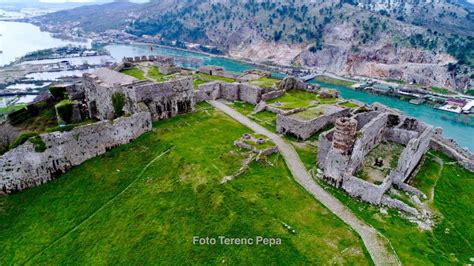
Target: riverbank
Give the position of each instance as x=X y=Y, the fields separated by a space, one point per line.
x=453 y=124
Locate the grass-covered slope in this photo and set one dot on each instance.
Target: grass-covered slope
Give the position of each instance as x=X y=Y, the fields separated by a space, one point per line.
x=450 y=189
x=142 y=203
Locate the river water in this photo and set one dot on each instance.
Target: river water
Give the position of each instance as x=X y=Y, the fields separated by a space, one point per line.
x=456 y=126
x=18 y=40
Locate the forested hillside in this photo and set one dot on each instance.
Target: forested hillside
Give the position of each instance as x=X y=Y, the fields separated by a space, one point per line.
x=427 y=42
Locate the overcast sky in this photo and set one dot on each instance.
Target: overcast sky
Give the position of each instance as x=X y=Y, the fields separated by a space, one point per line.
x=67 y=1
x=89 y=1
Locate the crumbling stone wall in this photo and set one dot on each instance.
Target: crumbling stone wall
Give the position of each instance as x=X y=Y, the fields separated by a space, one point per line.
x=304 y=129
x=272 y=94
x=368 y=138
x=229 y=91
x=8 y=134
x=364 y=118
x=399 y=205
x=401 y=136
x=364 y=190
x=324 y=145
x=208 y=91
x=99 y=97
x=452 y=149
x=292 y=83
x=158 y=59
x=411 y=156
x=249 y=93
x=163 y=100
x=23 y=167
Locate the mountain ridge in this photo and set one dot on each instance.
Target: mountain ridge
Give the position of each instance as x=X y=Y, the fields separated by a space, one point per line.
x=371 y=38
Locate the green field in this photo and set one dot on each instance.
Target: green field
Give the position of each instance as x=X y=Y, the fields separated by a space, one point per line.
x=134 y=72
x=213 y=77
x=12 y=108
x=442 y=91
x=264 y=118
x=294 y=99
x=349 y=104
x=197 y=82
x=450 y=189
x=143 y=202
x=339 y=82
x=265 y=82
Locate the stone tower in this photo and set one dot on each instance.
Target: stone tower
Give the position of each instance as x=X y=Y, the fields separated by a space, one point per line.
x=344 y=134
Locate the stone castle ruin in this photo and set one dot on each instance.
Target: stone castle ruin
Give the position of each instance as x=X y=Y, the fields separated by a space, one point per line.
x=24 y=167
x=302 y=128
x=342 y=150
x=143 y=102
x=162 y=100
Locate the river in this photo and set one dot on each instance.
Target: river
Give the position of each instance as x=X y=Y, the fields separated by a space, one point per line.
x=456 y=126
x=23 y=38
x=18 y=39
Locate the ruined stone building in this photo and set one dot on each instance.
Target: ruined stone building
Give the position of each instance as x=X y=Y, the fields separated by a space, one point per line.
x=162 y=100
x=342 y=150
x=304 y=124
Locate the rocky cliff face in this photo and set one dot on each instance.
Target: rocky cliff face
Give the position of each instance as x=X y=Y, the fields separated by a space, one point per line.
x=409 y=40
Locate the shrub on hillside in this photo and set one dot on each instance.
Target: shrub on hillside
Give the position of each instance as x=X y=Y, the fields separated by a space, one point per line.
x=39 y=144
x=65 y=110
x=118 y=102
x=22 y=139
x=58 y=93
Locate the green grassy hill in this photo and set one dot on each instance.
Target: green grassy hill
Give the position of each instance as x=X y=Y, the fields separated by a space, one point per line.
x=142 y=203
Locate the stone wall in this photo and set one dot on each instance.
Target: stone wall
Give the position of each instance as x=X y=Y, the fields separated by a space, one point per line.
x=272 y=94
x=324 y=145
x=99 y=97
x=411 y=156
x=229 y=91
x=23 y=167
x=208 y=91
x=304 y=129
x=400 y=135
x=161 y=60
x=250 y=93
x=292 y=83
x=364 y=190
x=452 y=150
x=163 y=100
x=399 y=205
x=368 y=138
x=364 y=118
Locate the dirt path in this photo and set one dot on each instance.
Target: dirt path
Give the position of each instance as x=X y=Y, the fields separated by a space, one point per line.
x=377 y=245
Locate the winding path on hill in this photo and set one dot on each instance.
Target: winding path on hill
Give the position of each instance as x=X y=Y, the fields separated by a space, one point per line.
x=377 y=245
